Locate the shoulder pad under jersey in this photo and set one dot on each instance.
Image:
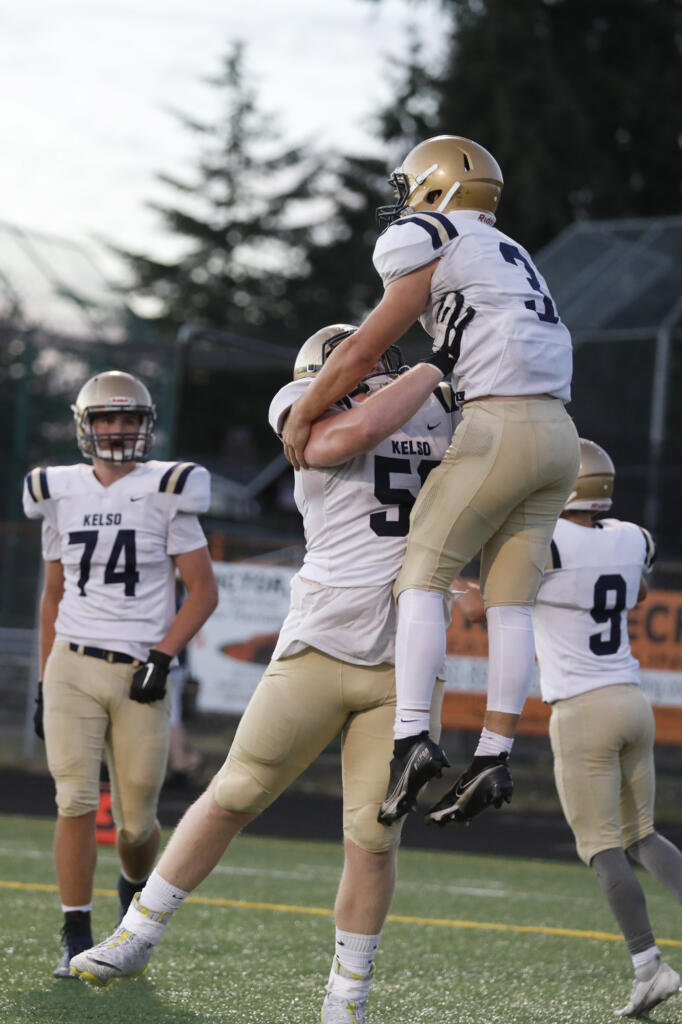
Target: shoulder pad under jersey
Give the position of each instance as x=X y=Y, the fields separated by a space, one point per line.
x=283 y=401
x=411 y=242
x=189 y=483
x=46 y=485
x=36 y=491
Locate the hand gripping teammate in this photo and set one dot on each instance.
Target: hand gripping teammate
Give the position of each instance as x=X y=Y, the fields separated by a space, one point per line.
x=331 y=671
x=512 y=462
x=113 y=534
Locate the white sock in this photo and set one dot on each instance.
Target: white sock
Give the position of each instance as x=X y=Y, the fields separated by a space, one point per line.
x=158 y=900
x=511 y=656
x=492 y=743
x=85 y=907
x=158 y=894
x=355 y=951
x=419 y=653
x=646 y=963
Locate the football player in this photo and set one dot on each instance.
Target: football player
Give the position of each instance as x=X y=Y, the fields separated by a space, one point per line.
x=601 y=726
x=331 y=671
x=513 y=459
x=112 y=535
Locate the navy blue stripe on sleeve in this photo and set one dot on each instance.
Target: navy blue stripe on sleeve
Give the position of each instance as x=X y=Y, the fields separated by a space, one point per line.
x=167 y=475
x=440 y=232
x=556 y=558
x=183 y=477
x=29 y=484
x=43 y=483
x=450 y=229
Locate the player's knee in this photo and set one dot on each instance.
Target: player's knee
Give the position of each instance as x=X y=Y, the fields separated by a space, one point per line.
x=363 y=829
x=237 y=791
x=76 y=798
x=136 y=832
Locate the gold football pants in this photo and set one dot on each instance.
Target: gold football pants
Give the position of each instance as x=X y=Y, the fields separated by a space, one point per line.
x=88 y=715
x=603 y=746
x=299 y=706
x=499 y=490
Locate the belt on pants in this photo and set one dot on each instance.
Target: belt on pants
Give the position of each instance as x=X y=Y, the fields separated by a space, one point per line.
x=113 y=657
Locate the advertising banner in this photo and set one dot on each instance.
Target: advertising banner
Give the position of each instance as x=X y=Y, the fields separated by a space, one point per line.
x=655 y=630
x=231 y=651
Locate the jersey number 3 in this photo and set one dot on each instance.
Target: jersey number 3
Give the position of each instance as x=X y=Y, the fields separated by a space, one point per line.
x=512 y=254
x=605 y=585
x=124 y=543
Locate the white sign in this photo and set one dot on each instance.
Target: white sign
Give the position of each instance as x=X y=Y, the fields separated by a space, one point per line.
x=231 y=651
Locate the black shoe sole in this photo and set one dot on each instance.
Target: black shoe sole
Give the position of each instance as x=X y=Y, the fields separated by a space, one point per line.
x=456 y=809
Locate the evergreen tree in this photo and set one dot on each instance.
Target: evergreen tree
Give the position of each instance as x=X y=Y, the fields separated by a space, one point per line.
x=240 y=219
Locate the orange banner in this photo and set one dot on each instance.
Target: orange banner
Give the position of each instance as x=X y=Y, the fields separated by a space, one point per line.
x=655 y=628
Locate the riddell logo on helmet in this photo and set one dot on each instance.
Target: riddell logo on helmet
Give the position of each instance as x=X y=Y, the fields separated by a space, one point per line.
x=120 y=400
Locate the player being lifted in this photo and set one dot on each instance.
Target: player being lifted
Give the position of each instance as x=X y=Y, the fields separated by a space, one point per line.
x=331 y=671
x=512 y=462
x=113 y=534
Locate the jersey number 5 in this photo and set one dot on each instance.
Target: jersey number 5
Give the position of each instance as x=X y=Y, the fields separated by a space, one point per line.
x=124 y=543
x=400 y=496
x=605 y=585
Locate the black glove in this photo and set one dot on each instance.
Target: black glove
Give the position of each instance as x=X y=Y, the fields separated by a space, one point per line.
x=149 y=681
x=38 y=714
x=451 y=320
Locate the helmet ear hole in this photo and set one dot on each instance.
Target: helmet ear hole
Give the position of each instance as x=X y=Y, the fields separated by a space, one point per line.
x=433 y=196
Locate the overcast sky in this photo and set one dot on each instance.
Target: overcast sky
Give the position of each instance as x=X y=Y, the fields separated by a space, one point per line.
x=86 y=86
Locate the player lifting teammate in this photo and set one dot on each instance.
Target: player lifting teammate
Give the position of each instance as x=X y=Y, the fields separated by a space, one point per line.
x=331 y=671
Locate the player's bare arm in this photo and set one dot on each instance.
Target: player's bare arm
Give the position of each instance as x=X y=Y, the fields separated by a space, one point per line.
x=201 y=601
x=403 y=302
x=53 y=588
x=335 y=439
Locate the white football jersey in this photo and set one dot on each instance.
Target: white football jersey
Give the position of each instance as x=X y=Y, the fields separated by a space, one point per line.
x=580 y=618
x=116 y=544
x=356 y=518
x=516 y=343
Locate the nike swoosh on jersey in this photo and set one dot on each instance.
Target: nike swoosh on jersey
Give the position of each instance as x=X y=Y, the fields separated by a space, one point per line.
x=138 y=498
x=432 y=426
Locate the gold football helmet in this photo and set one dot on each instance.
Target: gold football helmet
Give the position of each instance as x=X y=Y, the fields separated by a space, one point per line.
x=114 y=391
x=442 y=174
x=593 y=490
x=316 y=350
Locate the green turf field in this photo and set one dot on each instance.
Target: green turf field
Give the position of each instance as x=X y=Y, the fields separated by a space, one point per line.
x=471 y=939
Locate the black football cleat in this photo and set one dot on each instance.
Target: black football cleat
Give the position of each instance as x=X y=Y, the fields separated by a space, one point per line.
x=76 y=936
x=487 y=781
x=423 y=761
